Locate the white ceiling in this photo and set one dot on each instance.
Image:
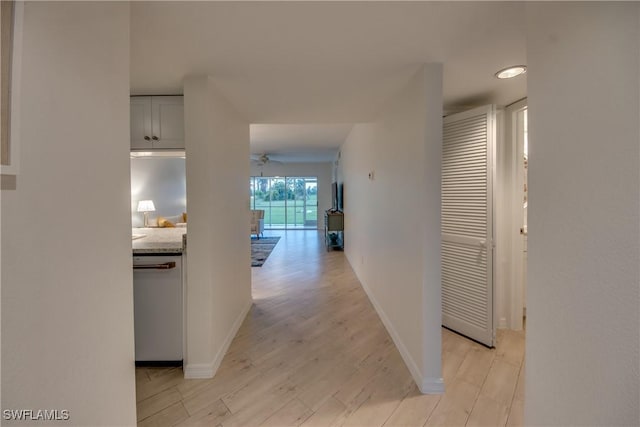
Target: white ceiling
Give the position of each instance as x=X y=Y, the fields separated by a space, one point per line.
x=298 y=142
x=325 y=62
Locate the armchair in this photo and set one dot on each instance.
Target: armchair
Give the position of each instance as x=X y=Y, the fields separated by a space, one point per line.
x=257 y=222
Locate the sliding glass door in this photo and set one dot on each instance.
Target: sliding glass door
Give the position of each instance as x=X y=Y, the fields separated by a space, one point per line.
x=288 y=202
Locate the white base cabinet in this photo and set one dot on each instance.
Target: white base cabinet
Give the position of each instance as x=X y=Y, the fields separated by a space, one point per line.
x=158 y=310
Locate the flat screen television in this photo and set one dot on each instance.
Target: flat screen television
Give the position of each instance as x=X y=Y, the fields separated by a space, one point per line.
x=337 y=193
x=334 y=196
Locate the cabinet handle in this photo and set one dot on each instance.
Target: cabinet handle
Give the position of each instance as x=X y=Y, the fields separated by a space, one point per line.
x=155 y=138
x=166 y=266
x=146 y=138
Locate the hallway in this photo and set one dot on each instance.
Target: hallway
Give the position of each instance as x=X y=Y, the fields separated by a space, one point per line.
x=313 y=352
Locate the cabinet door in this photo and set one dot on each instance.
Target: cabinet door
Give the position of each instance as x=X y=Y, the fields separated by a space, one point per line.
x=140 y=111
x=167 y=121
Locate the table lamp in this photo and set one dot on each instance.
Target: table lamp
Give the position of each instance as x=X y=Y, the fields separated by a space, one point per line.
x=146 y=206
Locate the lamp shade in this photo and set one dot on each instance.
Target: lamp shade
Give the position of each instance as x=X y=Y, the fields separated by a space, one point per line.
x=146 y=206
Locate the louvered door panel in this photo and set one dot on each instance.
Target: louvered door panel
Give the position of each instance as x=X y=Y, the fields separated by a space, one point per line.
x=464 y=296
x=467 y=159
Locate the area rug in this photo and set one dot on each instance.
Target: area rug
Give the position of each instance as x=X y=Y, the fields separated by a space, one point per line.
x=261 y=249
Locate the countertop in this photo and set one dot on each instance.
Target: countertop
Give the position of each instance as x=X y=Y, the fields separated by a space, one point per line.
x=158 y=240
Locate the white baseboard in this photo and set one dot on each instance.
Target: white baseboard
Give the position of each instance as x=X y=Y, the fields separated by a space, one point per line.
x=502 y=323
x=432 y=386
x=199 y=371
x=427 y=385
x=208 y=370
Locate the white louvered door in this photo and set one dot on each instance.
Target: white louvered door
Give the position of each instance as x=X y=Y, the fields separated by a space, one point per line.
x=467 y=223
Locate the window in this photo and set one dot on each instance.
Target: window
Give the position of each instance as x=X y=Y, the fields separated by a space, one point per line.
x=288 y=202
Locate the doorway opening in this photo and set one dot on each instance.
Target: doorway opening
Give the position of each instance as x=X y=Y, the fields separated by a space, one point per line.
x=484 y=283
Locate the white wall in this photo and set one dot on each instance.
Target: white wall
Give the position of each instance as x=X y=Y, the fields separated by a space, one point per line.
x=392 y=223
x=321 y=170
x=583 y=282
x=67 y=300
x=161 y=179
x=218 y=260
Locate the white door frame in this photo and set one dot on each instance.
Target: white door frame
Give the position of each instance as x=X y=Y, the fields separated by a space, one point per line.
x=514 y=124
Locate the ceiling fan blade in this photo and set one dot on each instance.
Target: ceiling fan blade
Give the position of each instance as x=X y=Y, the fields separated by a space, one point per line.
x=263 y=159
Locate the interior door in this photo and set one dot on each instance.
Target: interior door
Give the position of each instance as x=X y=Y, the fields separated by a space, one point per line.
x=467 y=223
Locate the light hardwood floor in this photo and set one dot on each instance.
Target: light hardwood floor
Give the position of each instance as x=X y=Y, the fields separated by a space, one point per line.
x=313 y=352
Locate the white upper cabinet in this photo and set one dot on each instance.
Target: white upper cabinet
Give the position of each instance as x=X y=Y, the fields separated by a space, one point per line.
x=157 y=122
x=140 y=111
x=167 y=121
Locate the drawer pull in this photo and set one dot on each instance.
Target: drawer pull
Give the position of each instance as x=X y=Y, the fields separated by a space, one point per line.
x=165 y=266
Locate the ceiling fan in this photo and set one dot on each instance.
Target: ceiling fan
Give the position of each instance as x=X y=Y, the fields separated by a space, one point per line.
x=262 y=159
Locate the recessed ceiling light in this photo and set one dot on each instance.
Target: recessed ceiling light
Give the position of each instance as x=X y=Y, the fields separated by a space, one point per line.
x=511 y=72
